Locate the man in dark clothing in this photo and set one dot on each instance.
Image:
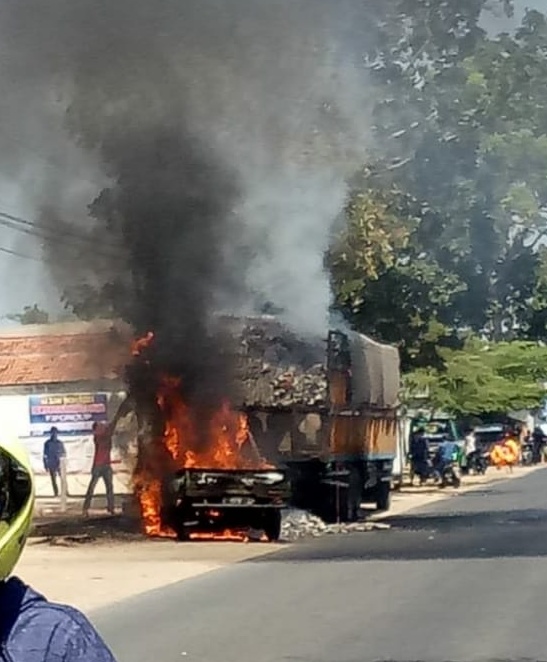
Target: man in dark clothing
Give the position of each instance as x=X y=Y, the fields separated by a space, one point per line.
x=419 y=456
x=538 y=444
x=102 y=467
x=54 y=450
x=31 y=628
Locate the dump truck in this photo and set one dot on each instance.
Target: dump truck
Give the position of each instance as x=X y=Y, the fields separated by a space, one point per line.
x=322 y=414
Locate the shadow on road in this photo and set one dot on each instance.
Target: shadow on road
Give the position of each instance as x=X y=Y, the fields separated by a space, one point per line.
x=117 y=528
x=486 y=519
x=422 y=537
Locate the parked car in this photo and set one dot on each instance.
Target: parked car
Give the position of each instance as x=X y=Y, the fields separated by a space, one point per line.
x=487 y=436
x=438 y=429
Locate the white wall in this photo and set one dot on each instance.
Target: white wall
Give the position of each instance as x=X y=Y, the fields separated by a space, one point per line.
x=14 y=416
x=15 y=422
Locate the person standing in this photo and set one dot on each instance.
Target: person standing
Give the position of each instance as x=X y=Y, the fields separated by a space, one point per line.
x=54 y=450
x=102 y=466
x=469 y=451
x=538 y=445
x=419 y=456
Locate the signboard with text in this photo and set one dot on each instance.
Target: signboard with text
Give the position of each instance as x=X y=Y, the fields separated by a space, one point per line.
x=70 y=413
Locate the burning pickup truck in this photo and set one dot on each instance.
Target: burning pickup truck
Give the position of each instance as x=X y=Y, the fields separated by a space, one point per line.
x=309 y=422
x=224 y=501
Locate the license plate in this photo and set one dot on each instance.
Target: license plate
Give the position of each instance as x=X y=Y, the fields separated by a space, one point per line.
x=239 y=501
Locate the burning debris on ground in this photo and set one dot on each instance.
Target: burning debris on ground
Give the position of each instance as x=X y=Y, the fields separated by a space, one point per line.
x=296 y=525
x=93 y=530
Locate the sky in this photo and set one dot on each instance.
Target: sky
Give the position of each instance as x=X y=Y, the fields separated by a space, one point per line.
x=503 y=23
x=23 y=277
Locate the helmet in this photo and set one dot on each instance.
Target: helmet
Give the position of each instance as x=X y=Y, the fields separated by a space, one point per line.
x=16 y=503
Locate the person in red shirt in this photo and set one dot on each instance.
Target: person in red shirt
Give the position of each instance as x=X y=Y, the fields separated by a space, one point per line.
x=102 y=468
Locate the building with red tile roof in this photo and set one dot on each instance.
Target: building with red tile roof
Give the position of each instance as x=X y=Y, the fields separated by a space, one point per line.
x=63 y=356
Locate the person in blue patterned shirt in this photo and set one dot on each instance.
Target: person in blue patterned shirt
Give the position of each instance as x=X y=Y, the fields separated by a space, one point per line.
x=32 y=629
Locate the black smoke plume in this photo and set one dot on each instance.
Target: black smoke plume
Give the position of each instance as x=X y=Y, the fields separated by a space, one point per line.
x=204 y=148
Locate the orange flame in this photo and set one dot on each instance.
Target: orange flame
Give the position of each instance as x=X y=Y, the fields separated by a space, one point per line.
x=222 y=440
x=227 y=535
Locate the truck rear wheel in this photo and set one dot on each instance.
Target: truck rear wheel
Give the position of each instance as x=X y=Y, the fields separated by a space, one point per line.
x=383 y=496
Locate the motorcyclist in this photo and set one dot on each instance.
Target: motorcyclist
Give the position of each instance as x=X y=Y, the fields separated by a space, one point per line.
x=447 y=453
x=31 y=628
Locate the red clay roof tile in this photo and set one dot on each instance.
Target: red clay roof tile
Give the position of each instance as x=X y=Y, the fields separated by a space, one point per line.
x=56 y=358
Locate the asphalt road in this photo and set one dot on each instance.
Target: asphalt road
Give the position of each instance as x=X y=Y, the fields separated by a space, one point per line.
x=463 y=579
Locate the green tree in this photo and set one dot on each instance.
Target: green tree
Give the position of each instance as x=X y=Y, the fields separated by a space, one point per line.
x=464 y=121
x=484 y=377
x=31 y=315
x=385 y=283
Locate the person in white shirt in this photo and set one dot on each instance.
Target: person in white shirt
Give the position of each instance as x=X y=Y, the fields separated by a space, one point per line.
x=469 y=449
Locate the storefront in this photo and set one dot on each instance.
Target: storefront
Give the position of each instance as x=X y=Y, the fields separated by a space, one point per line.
x=68 y=376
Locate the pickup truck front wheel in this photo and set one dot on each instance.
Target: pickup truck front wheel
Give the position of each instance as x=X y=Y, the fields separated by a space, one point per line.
x=272 y=524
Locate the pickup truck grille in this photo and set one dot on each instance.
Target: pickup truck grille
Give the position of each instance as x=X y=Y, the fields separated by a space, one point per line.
x=225 y=486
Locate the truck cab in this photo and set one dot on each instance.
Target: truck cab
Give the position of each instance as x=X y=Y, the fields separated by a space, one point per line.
x=437 y=429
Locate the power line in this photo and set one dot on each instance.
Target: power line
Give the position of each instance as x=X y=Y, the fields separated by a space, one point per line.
x=21 y=255
x=34 y=233
x=67 y=238
x=42 y=228
x=65 y=233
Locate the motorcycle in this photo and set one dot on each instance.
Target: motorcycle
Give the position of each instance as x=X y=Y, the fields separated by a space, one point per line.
x=450 y=475
x=527 y=455
x=478 y=463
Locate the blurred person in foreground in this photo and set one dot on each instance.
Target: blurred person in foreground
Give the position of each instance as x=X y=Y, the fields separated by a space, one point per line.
x=102 y=466
x=31 y=628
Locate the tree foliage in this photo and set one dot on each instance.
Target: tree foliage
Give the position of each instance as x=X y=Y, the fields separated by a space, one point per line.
x=484 y=377
x=31 y=315
x=461 y=131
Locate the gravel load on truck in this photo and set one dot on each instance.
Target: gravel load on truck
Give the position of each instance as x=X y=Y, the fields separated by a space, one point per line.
x=278 y=369
x=275 y=368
